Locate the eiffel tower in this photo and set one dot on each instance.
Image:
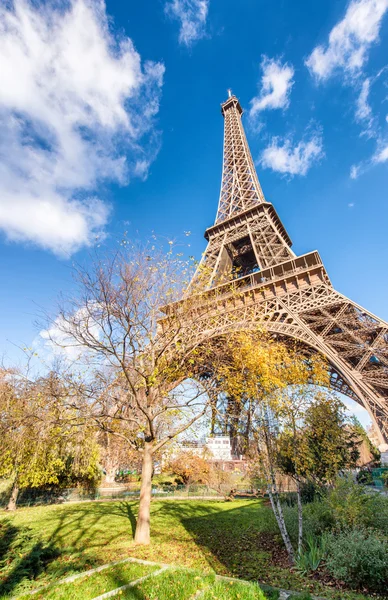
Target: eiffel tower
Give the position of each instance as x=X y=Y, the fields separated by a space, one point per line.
x=290 y=295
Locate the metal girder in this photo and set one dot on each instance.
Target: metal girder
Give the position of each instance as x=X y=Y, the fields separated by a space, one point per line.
x=289 y=295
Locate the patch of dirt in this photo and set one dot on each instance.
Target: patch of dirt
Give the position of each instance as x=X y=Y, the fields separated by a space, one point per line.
x=269 y=543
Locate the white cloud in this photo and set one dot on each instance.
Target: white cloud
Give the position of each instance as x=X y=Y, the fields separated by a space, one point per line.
x=350 y=39
x=351 y=205
x=57 y=339
x=54 y=342
x=192 y=15
x=276 y=84
x=283 y=157
x=76 y=109
x=363 y=109
x=354 y=171
x=381 y=155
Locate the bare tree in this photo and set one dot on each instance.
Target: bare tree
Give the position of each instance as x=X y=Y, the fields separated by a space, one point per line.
x=139 y=365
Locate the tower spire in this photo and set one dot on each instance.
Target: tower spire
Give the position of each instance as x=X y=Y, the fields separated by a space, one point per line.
x=240 y=187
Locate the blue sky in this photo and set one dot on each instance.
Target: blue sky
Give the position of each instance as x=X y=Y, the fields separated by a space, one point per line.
x=111 y=121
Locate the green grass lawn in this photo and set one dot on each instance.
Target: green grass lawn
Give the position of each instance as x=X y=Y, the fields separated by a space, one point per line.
x=87 y=588
x=174 y=584
x=238 y=539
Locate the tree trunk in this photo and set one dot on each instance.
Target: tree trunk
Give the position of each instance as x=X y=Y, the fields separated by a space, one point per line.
x=300 y=517
x=278 y=512
x=14 y=496
x=142 y=534
x=110 y=476
x=277 y=508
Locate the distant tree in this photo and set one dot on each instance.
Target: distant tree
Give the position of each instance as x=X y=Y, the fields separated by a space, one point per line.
x=329 y=444
x=189 y=467
x=219 y=478
x=366 y=443
x=41 y=443
x=115 y=454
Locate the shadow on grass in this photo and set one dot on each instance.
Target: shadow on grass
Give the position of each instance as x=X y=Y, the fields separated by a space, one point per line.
x=237 y=538
x=77 y=535
x=22 y=556
x=126 y=510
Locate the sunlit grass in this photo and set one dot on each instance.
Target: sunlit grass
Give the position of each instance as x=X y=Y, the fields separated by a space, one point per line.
x=227 y=538
x=89 y=587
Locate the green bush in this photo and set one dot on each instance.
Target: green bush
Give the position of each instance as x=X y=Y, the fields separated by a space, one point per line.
x=347 y=503
x=365 y=477
x=318 y=518
x=310 y=492
x=314 y=551
x=358 y=558
x=376 y=513
x=384 y=477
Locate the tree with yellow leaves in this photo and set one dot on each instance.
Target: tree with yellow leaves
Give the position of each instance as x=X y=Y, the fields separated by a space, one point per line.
x=42 y=442
x=258 y=372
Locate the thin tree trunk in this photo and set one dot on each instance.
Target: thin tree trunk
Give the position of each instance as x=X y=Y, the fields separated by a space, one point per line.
x=14 y=496
x=300 y=517
x=278 y=512
x=276 y=505
x=142 y=534
x=110 y=476
x=110 y=465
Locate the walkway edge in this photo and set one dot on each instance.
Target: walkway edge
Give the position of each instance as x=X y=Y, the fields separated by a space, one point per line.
x=114 y=592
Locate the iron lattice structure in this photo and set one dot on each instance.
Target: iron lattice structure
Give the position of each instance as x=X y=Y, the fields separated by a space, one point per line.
x=291 y=296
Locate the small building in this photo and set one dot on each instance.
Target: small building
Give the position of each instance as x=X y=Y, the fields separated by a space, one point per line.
x=219 y=447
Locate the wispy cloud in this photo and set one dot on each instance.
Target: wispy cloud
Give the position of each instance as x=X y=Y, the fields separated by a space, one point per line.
x=381 y=155
x=350 y=40
x=354 y=171
x=192 y=15
x=275 y=86
x=347 y=52
x=76 y=109
x=284 y=157
x=363 y=109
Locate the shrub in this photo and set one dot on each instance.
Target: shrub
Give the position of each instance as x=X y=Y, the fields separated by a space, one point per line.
x=289 y=499
x=310 y=492
x=347 y=503
x=313 y=553
x=358 y=558
x=318 y=518
x=384 y=477
x=376 y=513
x=364 y=477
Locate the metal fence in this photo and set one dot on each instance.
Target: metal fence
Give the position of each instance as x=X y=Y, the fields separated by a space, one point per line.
x=32 y=497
